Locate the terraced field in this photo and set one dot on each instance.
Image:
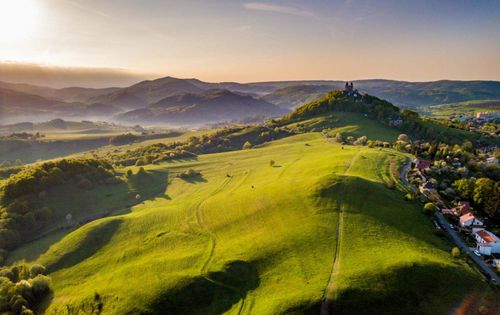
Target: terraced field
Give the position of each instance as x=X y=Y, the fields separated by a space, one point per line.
x=246 y=237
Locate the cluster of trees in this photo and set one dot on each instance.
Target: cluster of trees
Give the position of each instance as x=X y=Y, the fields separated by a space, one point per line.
x=227 y=139
x=22 y=211
x=154 y=153
x=484 y=193
x=460 y=173
x=362 y=140
x=41 y=177
x=25 y=136
x=24 y=290
x=190 y=173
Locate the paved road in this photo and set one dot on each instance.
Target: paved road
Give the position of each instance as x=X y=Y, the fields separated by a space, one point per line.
x=453 y=234
x=464 y=248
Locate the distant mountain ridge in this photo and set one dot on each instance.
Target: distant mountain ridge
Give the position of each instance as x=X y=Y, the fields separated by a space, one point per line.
x=210 y=106
x=145 y=96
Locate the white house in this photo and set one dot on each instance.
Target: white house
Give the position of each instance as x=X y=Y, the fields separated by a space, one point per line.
x=492 y=160
x=487 y=242
x=470 y=221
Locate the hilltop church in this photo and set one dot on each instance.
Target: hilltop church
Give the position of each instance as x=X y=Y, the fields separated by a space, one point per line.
x=349 y=90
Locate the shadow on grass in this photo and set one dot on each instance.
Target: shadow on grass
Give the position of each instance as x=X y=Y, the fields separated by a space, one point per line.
x=411 y=289
x=373 y=199
x=149 y=184
x=94 y=240
x=200 y=295
x=193 y=179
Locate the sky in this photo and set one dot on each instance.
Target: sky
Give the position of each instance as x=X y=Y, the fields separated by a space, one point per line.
x=247 y=41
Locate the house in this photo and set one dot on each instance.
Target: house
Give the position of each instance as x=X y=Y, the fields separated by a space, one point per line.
x=426 y=187
x=461 y=118
x=487 y=242
x=396 y=121
x=446 y=211
x=423 y=165
x=492 y=160
x=470 y=221
x=463 y=207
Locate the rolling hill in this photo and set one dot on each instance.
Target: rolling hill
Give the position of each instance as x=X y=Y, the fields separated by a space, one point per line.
x=317 y=228
x=246 y=237
x=207 y=107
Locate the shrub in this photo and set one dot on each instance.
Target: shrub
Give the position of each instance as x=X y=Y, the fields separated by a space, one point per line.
x=141 y=171
x=37 y=269
x=84 y=183
x=409 y=197
x=247 y=145
x=190 y=173
x=429 y=208
x=271 y=163
x=455 y=252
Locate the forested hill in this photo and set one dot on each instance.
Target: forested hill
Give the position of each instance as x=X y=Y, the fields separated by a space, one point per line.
x=386 y=113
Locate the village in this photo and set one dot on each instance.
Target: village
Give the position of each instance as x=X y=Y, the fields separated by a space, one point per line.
x=464 y=225
x=479 y=121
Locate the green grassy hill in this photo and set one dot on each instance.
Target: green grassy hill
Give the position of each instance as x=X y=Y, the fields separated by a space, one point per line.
x=245 y=237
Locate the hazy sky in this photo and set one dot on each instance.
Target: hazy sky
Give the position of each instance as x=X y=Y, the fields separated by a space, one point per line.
x=254 y=41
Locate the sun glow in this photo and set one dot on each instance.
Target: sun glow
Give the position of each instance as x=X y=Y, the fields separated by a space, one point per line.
x=18 y=20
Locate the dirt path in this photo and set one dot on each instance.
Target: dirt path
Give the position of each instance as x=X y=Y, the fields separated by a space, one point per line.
x=327 y=305
x=213 y=243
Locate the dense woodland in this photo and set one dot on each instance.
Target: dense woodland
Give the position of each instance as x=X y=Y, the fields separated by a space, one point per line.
x=22 y=208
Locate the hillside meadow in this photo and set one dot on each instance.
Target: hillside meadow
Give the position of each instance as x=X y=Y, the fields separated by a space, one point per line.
x=247 y=236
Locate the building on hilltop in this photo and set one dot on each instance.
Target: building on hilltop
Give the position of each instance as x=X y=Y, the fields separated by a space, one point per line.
x=349 y=90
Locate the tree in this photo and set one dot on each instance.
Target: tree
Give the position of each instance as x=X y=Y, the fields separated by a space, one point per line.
x=247 y=145
x=361 y=140
x=429 y=208
x=484 y=191
x=339 y=138
x=271 y=163
x=464 y=187
x=403 y=137
x=455 y=252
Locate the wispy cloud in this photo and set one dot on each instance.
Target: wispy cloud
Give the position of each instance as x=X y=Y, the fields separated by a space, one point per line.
x=269 y=7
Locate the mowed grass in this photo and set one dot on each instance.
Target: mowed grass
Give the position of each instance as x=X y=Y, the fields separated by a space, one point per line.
x=247 y=237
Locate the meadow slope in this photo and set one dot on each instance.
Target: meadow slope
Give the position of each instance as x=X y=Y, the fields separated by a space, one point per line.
x=246 y=237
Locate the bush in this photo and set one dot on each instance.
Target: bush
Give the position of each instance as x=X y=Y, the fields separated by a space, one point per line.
x=20 y=292
x=409 y=197
x=247 y=145
x=271 y=163
x=190 y=173
x=141 y=171
x=455 y=252
x=37 y=269
x=429 y=208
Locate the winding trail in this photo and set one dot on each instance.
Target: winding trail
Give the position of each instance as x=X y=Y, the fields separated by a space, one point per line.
x=327 y=305
x=213 y=244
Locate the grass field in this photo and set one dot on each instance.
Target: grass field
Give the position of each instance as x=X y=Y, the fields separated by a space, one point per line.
x=352 y=124
x=250 y=238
